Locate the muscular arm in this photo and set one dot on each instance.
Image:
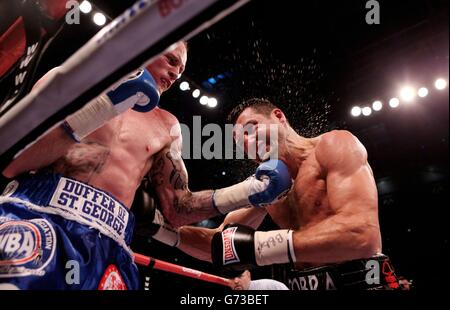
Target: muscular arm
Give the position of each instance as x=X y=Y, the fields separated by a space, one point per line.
x=169 y=178
x=47 y=149
x=196 y=241
x=42 y=153
x=180 y=206
x=352 y=231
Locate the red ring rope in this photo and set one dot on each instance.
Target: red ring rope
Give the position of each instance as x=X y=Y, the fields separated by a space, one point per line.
x=173 y=268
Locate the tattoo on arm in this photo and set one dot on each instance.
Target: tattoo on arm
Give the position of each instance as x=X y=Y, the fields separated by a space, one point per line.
x=194 y=202
x=177 y=178
x=157 y=175
x=189 y=207
x=87 y=159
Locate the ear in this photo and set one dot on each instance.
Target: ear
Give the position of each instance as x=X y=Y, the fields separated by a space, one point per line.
x=279 y=115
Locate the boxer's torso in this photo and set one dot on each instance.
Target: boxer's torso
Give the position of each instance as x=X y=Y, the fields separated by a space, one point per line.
x=115 y=157
x=308 y=203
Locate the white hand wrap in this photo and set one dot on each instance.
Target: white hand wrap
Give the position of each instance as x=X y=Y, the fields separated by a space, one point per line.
x=166 y=233
x=274 y=247
x=236 y=196
x=92 y=116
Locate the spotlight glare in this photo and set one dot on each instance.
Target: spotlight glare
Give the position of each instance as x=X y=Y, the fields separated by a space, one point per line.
x=204 y=100
x=366 y=111
x=212 y=102
x=196 y=93
x=99 y=19
x=184 y=86
x=394 y=103
x=422 y=92
x=377 y=105
x=356 y=111
x=85 y=7
x=407 y=94
x=440 y=84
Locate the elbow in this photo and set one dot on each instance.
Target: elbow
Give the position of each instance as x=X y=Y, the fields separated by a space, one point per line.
x=174 y=211
x=9 y=172
x=171 y=216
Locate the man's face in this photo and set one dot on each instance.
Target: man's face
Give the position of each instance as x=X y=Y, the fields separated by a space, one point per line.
x=242 y=282
x=167 y=68
x=258 y=134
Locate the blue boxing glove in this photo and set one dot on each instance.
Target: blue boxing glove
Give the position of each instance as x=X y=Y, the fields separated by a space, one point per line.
x=279 y=182
x=271 y=182
x=138 y=91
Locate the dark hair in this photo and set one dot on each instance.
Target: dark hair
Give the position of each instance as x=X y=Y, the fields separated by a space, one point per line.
x=233 y=273
x=259 y=105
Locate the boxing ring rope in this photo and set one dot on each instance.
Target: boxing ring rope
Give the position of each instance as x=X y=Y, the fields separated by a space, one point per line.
x=173 y=268
x=122 y=46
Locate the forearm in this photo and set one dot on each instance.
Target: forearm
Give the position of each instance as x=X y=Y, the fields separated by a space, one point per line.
x=336 y=240
x=193 y=207
x=190 y=207
x=330 y=241
x=196 y=241
x=42 y=153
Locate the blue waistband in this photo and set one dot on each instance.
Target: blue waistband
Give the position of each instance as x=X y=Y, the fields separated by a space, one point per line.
x=74 y=200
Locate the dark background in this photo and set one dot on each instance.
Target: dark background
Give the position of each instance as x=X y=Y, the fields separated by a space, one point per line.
x=315 y=60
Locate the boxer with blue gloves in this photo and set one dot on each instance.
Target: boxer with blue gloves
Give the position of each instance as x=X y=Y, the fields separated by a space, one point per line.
x=64 y=220
x=74 y=208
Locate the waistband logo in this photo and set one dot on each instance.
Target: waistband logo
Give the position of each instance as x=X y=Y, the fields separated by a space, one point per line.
x=320 y=281
x=92 y=204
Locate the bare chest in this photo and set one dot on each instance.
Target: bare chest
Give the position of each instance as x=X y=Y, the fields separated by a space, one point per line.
x=307 y=202
x=142 y=134
x=126 y=144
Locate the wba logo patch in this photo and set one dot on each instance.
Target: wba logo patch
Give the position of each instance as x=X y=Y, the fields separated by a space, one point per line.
x=26 y=247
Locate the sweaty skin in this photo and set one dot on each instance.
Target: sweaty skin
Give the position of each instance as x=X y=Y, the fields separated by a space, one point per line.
x=119 y=154
x=333 y=207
